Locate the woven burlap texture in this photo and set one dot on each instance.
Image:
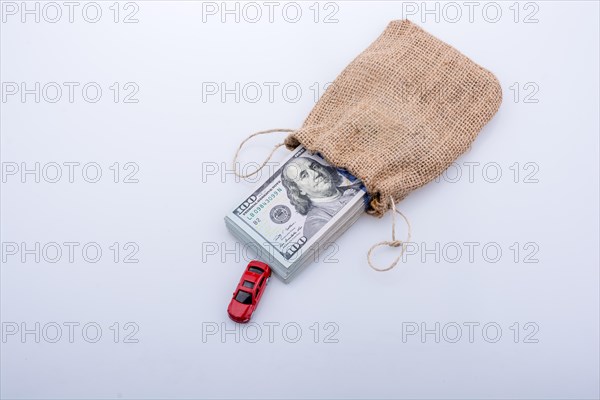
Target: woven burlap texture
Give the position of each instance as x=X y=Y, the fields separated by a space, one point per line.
x=400 y=113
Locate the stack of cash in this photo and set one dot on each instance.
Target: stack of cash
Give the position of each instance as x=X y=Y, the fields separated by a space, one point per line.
x=298 y=211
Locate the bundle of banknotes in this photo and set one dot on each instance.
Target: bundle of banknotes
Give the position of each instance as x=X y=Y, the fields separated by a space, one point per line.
x=302 y=208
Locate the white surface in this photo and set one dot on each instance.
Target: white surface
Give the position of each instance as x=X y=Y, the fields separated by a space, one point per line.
x=170 y=213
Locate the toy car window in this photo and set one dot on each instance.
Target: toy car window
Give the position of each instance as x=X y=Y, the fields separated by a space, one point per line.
x=260 y=282
x=248 y=284
x=243 y=297
x=256 y=270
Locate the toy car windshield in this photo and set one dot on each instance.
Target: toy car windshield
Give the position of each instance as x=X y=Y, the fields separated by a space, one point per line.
x=256 y=270
x=243 y=297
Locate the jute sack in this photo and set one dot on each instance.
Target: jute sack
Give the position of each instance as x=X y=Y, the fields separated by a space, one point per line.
x=400 y=113
x=398 y=116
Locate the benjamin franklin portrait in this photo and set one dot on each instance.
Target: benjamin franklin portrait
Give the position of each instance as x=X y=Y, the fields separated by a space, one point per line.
x=316 y=191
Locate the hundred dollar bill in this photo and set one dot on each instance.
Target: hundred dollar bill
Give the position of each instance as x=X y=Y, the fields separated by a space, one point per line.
x=304 y=200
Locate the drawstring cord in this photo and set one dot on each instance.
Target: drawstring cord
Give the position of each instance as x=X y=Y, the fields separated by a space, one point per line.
x=268 y=157
x=393 y=242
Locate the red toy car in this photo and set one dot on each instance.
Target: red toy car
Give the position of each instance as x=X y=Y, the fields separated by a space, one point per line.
x=249 y=291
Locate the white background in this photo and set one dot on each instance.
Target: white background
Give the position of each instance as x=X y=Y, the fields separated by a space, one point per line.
x=189 y=264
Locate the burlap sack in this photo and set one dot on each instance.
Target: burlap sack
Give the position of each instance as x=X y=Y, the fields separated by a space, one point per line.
x=400 y=113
